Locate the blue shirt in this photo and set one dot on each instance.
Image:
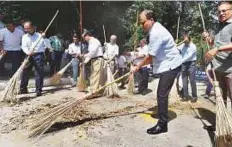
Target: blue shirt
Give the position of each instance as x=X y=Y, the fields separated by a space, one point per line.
x=188 y=52
x=163 y=49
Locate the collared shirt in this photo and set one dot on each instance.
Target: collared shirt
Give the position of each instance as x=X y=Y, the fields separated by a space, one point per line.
x=142 y=51
x=11 y=40
x=74 y=48
x=94 y=48
x=111 y=51
x=223 y=60
x=163 y=49
x=57 y=43
x=29 y=41
x=121 y=61
x=188 y=52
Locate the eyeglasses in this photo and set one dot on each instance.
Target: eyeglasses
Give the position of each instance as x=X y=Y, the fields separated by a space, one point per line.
x=223 y=11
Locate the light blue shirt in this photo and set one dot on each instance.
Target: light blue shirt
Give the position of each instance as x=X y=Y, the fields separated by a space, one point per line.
x=163 y=49
x=29 y=41
x=188 y=52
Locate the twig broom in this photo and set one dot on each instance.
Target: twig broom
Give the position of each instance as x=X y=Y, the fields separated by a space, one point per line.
x=55 y=79
x=223 y=118
x=12 y=88
x=81 y=83
x=47 y=119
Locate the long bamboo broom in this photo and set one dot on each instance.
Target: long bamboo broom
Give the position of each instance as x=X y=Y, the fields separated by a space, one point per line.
x=223 y=118
x=47 y=119
x=12 y=88
x=81 y=83
x=56 y=78
x=131 y=83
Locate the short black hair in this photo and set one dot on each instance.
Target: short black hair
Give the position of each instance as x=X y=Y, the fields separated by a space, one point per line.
x=149 y=14
x=8 y=20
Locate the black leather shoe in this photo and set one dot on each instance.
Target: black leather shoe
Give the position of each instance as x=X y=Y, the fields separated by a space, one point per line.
x=38 y=93
x=23 y=91
x=184 y=99
x=157 y=129
x=193 y=100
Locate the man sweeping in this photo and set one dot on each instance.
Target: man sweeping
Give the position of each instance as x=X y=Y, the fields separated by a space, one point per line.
x=36 y=58
x=74 y=50
x=166 y=61
x=111 y=52
x=222 y=61
x=95 y=56
x=189 y=56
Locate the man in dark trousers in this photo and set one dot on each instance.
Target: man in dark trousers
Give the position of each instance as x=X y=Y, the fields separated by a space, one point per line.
x=29 y=40
x=166 y=59
x=189 y=56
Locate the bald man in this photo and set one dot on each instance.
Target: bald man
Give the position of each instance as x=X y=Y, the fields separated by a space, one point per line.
x=166 y=60
x=111 y=52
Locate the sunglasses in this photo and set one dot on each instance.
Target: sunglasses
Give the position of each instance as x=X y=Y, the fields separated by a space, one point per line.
x=223 y=11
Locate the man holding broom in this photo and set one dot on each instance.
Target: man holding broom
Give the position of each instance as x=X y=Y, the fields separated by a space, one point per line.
x=222 y=61
x=166 y=61
x=95 y=55
x=36 y=58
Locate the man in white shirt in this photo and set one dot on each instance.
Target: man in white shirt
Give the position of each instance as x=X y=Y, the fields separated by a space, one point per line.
x=143 y=73
x=166 y=61
x=36 y=53
x=95 y=55
x=10 y=41
x=189 y=56
x=74 y=50
x=122 y=65
x=111 y=52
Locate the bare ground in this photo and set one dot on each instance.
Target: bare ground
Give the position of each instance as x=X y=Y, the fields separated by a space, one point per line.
x=107 y=122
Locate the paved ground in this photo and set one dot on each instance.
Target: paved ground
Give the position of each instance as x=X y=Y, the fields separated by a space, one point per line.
x=108 y=122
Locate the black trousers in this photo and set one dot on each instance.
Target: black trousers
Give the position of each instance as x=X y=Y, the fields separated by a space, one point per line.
x=13 y=57
x=143 y=76
x=164 y=87
x=56 y=58
x=36 y=61
x=189 y=72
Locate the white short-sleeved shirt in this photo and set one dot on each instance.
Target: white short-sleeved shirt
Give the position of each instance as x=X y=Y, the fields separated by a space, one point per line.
x=122 y=61
x=29 y=41
x=11 y=40
x=111 y=50
x=94 y=48
x=163 y=49
x=188 y=52
x=141 y=51
x=74 y=48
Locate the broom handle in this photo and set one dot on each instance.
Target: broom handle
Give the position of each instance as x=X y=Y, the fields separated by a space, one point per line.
x=104 y=32
x=203 y=23
x=177 y=32
x=44 y=32
x=108 y=84
x=65 y=68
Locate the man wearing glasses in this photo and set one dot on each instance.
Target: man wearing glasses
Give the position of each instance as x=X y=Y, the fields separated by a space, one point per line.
x=221 y=54
x=166 y=60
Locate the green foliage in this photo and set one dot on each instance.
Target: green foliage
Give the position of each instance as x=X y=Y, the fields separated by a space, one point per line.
x=167 y=13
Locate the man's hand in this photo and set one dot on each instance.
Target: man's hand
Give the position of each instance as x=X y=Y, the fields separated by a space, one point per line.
x=211 y=53
x=31 y=53
x=134 y=69
x=2 y=52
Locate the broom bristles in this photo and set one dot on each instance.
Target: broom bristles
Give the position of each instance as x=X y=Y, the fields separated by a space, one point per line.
x=47 y=119
x=81 y=84
x=111 y=90
x=12 y=87
x=56 y=78
x=131 y=85
x=223 y=121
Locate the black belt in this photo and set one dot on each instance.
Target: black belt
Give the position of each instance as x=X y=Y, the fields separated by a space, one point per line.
x=97 y=57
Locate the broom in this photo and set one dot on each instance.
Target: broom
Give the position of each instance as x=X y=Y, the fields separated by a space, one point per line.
x=47 y=119
x=56 y=78
x=223 y=118
x=81 y=84
x=131 y=84
x=12 y=88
